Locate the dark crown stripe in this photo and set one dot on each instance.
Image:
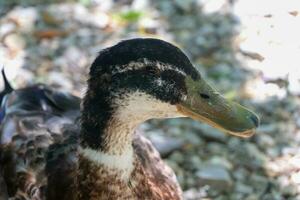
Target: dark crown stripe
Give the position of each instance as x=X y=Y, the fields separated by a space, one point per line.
x=136 y=49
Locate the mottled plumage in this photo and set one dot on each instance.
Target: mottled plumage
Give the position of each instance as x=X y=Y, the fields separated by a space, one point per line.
x=51 y=149
x=39 y=154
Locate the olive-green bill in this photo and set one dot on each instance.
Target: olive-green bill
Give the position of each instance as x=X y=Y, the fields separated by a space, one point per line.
x=203 y=103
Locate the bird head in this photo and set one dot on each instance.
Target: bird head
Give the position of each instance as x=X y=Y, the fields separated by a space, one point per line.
x=139 y=79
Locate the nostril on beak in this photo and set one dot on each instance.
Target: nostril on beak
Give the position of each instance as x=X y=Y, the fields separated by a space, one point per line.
x=255 y=120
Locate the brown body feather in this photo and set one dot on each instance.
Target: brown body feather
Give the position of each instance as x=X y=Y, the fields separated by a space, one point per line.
x=151 y=179
x=39 y=158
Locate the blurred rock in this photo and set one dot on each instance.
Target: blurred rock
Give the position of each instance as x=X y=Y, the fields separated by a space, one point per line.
x=209 y=133
x=196 y=194
x=166 y=145
x=15 y=42
x=267 y=128
x=259 y=183
x=244 y=189
x=193 y=139
x=289 y=190
x=295 y=177
x=252 y=197
x=185 y=5
x=247 y=154
x=215 y=148
x=177 y=157
x=265 y=141
x=213 y=6
x=59 y=80
x=240 y=174
x=27 y=77
x=74 y=58
x=220 y=161
x=24 y=17
x=50 y=19
x=294 y=82
x=215 y=176
x=195 y=162
x=7 y=28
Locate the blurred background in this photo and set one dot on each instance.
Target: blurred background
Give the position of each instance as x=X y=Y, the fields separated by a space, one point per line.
x=248 y=50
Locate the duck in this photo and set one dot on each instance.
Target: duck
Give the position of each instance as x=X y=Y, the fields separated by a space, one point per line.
x=54 y=145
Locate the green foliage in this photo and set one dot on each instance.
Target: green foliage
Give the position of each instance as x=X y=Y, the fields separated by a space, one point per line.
x=130 y=16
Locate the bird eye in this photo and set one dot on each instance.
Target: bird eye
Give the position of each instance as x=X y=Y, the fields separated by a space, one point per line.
x=204 y=96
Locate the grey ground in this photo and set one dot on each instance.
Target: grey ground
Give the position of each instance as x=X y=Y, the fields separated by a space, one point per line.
x=248 y=50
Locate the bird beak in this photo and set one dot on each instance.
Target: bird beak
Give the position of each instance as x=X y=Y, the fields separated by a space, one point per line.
x=205 y=104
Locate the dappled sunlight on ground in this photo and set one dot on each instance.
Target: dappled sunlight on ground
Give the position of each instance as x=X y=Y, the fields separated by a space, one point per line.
x=249 y=50
x=269 y=39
